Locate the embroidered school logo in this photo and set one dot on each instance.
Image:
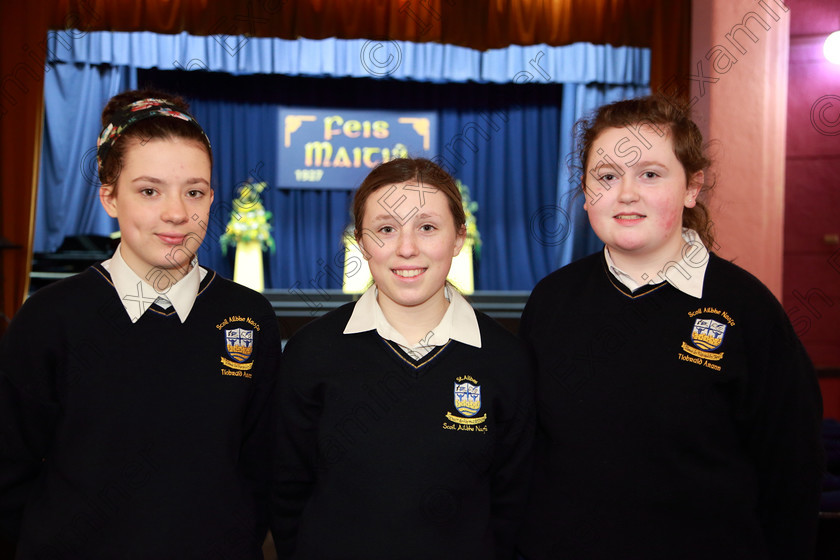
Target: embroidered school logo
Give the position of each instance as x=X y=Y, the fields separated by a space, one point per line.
x=467 y=400
x=707 y=334
x=240 y=343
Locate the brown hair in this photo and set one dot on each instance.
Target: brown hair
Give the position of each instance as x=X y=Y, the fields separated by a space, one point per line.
x=655 y=111
x=154 y=128
x=400 y=170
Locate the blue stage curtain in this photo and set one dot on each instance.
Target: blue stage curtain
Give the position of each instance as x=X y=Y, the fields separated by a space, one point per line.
x=307 y=225
x=354 y=58
x=502 y=141
x=507 y=142
x=505 y=150
x=243 y=149
x=359 y=58
x=68 y=186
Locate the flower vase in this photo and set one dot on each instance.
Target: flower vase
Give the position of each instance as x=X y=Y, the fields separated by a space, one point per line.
x=248 y=266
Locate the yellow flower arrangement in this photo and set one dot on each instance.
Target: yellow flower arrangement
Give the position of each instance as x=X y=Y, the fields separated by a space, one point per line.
x=470 y=208
x=249 y=220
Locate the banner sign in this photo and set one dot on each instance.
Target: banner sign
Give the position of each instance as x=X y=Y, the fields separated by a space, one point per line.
x=336 y=148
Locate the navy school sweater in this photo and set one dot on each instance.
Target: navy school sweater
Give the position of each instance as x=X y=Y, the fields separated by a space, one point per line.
x=144 y=440
x=670 y=426
x=376 y=460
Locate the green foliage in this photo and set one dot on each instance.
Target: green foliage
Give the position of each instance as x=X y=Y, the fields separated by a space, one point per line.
x=249 y=220
x=470 y=208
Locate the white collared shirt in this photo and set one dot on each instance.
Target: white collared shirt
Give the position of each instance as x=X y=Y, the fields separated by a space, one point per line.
x=458 y=323
x=686 y=275
x=137 y=295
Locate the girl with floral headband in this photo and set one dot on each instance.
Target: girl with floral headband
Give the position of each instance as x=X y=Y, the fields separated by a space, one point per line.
x=134 y=395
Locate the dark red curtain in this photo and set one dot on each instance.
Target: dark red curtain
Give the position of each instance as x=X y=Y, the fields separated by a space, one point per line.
x=478 y=24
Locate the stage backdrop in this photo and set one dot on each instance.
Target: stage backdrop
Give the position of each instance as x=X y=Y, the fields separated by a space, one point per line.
x=504 y=125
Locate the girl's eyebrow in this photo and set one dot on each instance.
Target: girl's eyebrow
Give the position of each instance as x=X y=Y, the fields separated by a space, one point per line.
x=157 y=181
x=604 y=165
x=147 y=179
x=648 y=163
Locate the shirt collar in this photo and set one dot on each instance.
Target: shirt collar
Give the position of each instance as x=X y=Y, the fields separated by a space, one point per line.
x=458 y=323
x=686 y=275
x=137 y=296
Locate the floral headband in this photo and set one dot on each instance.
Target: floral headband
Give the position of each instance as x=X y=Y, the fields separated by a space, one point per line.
x=132 y=114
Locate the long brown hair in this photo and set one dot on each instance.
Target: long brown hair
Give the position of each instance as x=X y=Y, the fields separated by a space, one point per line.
x=659 y=112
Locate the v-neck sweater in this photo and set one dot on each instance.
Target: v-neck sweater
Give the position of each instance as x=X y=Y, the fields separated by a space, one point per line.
x=671 y=426
x=137 y=440
x=377 y=460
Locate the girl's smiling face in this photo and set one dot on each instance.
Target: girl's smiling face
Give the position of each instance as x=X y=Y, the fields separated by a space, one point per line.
x=410 y=258
x=162 y=201
x=636 y=208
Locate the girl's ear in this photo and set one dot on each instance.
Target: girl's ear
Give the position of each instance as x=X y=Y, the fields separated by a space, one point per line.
x=460 y=238
x=360 y=243
x=108 y=198
x=693 y=189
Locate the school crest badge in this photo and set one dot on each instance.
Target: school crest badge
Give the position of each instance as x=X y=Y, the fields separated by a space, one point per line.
x=467 y=395
x=707 y=334
x=467 y=399
x=240 y=343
